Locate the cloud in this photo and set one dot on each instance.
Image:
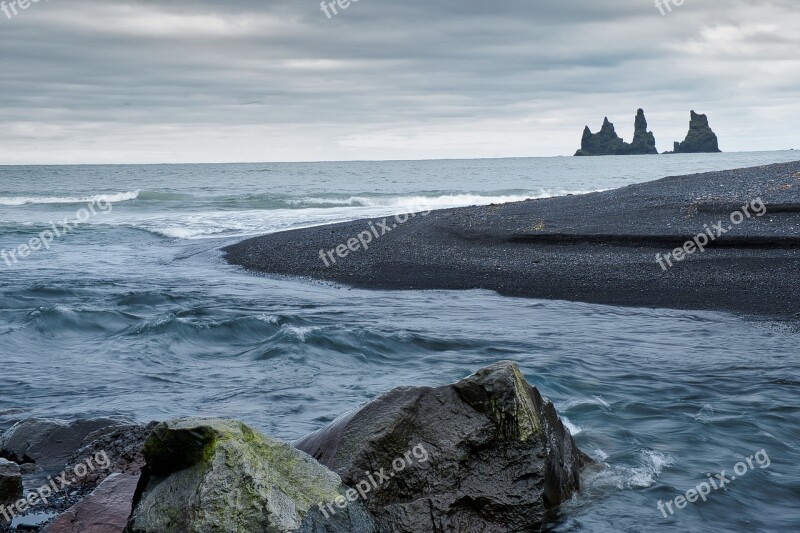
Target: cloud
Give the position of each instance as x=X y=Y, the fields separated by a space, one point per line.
x=143 y=81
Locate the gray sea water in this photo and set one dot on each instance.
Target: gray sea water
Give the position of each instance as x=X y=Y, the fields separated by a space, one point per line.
x=133 y=312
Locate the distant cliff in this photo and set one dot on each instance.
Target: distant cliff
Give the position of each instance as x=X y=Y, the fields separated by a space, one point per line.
x=700 y=139
x=607 y=142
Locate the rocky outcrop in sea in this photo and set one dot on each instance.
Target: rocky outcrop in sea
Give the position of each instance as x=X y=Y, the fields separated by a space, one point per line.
x=485 y=454
x=607 y=142
x=700 y=139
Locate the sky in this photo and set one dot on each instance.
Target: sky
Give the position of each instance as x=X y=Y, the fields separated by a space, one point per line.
x=99 y=81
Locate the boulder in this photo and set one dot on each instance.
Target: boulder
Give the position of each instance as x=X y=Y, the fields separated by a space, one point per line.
x=700 y=139
x=122 y=446
x=10 y=482
x=105 y=510
x=49 y=442
x=607 y=142
x=485 y=454
x=211 y=475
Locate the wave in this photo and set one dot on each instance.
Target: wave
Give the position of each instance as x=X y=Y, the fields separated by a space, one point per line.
x=573 y=428
x=37 y=200
x=272 y=201
x=307 y=212
x=435 y=202
x=227 y=216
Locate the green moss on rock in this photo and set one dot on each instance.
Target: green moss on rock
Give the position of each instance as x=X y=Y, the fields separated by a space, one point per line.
x=220 y=475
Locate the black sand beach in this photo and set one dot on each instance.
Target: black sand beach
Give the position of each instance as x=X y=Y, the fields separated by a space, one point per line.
x=598 y=248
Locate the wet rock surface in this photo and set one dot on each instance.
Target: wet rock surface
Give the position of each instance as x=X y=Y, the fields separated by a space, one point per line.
x=98 y=450
x=485 y=454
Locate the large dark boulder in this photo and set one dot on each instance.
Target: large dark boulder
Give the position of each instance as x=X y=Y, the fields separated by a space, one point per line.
x=607 y=142
x=496 y=456
x=10 y=483
x=700 y=139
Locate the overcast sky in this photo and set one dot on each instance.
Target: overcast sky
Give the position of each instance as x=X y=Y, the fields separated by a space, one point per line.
x=126 y=81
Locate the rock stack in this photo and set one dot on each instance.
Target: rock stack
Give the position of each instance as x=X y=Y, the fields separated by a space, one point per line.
x=700 y=139
x=607 y=142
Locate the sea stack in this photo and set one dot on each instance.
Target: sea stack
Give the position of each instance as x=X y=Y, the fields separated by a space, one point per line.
x=644 y=142
x=607 y=142
x=700 y=139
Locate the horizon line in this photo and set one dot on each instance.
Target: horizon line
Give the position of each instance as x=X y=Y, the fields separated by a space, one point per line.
x=369 y=160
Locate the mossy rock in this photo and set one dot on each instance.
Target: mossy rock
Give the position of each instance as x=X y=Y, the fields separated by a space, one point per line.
x=211 y=475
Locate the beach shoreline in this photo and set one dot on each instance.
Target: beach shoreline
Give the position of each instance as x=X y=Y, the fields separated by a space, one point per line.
x=596 y=248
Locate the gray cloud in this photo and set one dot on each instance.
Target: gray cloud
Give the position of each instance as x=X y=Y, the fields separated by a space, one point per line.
x=195 y=80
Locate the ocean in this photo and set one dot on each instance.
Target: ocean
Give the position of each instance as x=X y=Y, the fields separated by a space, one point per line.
x=131 y=310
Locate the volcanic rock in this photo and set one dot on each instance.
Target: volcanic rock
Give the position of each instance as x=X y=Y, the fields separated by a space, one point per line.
x=485 y=454
x=106 y=510
x=607 y=142
x=49 y=443
x=217 y=475
x=10 y=482
x=700 y=139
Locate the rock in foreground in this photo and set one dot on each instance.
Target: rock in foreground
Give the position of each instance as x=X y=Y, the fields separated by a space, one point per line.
x=10 y=482
x=496 y=456
x=105 y=510
x=214 y=475
x=49 y=442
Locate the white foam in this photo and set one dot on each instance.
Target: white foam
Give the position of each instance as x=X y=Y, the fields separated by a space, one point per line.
x=705 y=415
x=652 y=463
x=299 y=332
x=248 y=222
x=34 y=200
x=573 y=429
x=433 y=202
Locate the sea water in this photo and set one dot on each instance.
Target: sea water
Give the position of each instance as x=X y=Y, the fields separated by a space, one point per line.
x=133 y=312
